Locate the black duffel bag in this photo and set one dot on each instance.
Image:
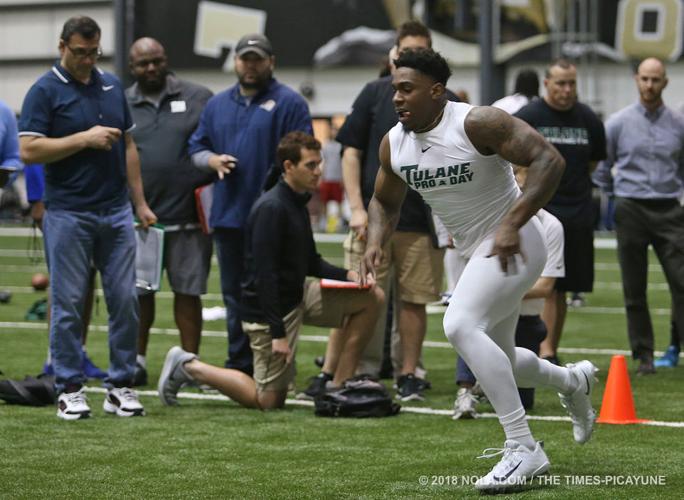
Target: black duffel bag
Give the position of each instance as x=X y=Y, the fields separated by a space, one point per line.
x=29 y=392
x=358 y=398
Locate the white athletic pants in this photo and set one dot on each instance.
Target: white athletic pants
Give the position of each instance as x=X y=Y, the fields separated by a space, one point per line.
x=482 y=315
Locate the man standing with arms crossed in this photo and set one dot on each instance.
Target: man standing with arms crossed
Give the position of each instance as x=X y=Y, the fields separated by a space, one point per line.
x=645 y=172
x=76 y=121
x=457 y=156
x=166 y=110
x=237 y=137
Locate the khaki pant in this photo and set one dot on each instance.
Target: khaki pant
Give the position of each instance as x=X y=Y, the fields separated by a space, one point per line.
x=326 y=308
x=418 y=270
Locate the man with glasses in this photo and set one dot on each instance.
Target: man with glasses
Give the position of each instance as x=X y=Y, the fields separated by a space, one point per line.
x=76 y=121
x=166 y=111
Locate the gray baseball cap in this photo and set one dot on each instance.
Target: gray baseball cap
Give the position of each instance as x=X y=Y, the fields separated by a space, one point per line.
x=256 y=43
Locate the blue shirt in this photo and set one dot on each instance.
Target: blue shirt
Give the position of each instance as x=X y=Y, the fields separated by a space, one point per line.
x=645 y=154
x=57 y=105
x=35 y=182
x=9 y=141
x=250 y=131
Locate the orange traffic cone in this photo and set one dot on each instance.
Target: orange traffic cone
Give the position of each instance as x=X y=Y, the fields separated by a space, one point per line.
x=618 y=404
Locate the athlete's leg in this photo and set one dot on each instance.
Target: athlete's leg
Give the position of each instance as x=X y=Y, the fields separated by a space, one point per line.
x=485 y=300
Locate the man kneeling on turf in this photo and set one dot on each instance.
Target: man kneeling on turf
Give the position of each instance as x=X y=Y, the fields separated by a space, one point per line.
x=276 y=297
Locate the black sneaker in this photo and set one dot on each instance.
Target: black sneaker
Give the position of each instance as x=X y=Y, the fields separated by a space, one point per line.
x=410 y=388
x=140 y=377
x=316 y=387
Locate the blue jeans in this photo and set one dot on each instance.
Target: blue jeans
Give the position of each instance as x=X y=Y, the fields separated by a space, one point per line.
x=72 y=241
x=231 y=256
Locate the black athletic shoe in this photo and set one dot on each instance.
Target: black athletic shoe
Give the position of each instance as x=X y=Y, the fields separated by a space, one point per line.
x=410 y=388
x=140 y=377
x=316 y=386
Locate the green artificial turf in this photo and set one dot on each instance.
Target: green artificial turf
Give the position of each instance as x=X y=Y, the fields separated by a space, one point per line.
x=215 y=449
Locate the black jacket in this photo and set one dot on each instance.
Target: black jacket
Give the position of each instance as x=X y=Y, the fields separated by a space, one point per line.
x=279 y=253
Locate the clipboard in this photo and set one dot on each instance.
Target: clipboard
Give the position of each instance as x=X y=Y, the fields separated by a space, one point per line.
x=337 y=284
x=149 y=257
x=204 y=198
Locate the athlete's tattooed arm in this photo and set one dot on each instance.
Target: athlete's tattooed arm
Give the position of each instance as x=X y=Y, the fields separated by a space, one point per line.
x=494 y=131
x=383 y=211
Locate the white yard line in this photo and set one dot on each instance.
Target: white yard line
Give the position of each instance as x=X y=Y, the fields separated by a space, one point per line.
x=404 y=409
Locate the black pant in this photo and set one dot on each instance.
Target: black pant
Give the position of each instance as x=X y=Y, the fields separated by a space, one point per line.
x=639 y=223
x=529 y=333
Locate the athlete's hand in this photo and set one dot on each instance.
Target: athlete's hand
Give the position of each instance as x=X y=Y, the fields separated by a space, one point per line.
x=223 y=164
x=280 y=346
x=358 y=222
x=100 y=137
x=506 y=245
x=369 y=263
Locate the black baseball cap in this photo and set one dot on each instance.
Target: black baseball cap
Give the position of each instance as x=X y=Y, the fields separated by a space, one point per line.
x=256 y=43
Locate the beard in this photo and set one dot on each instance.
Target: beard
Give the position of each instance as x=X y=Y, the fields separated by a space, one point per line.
x=153 y=85
x=257 y=83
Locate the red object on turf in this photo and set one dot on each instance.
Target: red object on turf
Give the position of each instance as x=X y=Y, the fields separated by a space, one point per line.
x=618 y=403
x=39 y=281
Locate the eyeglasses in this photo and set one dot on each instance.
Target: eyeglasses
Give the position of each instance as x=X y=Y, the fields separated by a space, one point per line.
x=313 y=165
x=158 y=61
x=83 y=53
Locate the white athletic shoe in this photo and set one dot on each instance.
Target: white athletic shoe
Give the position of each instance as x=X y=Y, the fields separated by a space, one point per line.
x=73 y=405
x=123 y=402
x=518 y=466
x=464 y=406
x=173 y=376
x=578 y=402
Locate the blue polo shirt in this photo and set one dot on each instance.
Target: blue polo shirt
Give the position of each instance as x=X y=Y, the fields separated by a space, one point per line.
x=248 y=129
x=56 y=106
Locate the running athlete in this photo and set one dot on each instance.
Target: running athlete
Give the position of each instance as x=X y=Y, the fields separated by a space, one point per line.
x=458 y=157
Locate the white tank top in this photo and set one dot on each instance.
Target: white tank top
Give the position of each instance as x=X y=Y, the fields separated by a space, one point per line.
x=468 y=191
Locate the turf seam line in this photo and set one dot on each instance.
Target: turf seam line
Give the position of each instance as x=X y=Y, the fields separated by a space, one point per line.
x=40 y=327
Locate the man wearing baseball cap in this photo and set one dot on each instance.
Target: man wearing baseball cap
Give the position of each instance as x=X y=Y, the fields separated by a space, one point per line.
x=237 y=137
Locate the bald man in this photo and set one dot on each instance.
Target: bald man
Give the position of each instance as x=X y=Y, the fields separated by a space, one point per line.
x=166 y=111
x=644 y=171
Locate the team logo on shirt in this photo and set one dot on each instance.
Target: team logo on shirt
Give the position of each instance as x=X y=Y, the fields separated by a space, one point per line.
x=440 y=176
x=565 y=135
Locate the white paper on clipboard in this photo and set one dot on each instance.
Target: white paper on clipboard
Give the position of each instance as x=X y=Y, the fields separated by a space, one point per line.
x=149 y=257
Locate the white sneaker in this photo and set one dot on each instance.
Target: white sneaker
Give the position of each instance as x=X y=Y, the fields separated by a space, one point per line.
x=578 y=403
x=123 y=402
x=464 y=406
x=73 y=405
x=518 y=466
x=173 y=376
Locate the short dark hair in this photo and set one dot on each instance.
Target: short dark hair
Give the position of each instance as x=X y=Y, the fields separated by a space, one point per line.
x=426 y=61
x=561 y=62
x=83 y=25
x=290 y=146
x=413 y=28
x=527 y=83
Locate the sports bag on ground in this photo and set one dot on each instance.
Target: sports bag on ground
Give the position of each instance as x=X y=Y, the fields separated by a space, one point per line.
x=29 y=392
x=358 y=398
